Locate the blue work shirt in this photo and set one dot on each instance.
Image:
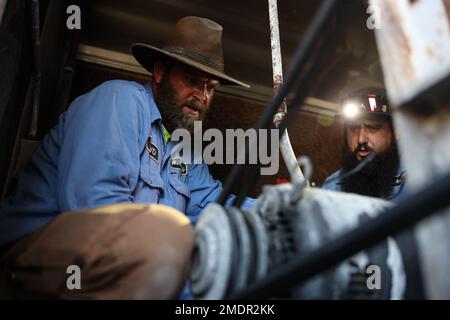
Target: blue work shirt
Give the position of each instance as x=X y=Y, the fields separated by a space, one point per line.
x=399 y=190
x=99 y=154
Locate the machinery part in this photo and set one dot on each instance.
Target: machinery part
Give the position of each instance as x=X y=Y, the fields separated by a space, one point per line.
x=230 y=252
x=414 y=47
x=242 y=257
x=320 y=217
x=287 y=152
x=395 y=220
x=301 y=184
x=273 y=208
x=260 y=245
x=277 y=232
x=212 y=254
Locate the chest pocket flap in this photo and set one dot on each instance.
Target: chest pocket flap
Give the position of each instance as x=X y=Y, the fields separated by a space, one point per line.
x=179 y=185
x=149 y=172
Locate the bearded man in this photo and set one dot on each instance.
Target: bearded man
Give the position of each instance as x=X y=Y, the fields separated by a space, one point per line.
x=112 y=148
x=372 y=166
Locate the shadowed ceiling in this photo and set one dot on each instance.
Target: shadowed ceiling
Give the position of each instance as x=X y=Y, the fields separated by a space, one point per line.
x=114 y=25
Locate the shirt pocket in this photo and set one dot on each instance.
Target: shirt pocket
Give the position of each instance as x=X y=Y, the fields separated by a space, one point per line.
x=182 y=193
x=150 y=184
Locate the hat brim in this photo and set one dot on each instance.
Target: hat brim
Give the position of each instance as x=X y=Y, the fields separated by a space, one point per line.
x=146 y=55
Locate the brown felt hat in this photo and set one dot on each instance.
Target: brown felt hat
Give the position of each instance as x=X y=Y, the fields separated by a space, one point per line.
x=196 y=42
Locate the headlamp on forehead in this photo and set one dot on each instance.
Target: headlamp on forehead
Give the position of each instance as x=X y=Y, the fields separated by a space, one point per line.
x=364 y=104
x=350 y=110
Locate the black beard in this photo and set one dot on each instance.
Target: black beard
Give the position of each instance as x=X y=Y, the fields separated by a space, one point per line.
x=376 y=178
x=172 y=116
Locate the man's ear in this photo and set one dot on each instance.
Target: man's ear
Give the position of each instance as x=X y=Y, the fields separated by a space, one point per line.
x=158 y=71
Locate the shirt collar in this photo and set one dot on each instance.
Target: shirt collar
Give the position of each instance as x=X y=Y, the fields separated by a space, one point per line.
x=401 y=174
x=155 y=115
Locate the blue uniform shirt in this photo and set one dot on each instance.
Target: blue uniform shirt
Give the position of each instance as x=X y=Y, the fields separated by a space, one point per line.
x=100 y=153
x=399 y=190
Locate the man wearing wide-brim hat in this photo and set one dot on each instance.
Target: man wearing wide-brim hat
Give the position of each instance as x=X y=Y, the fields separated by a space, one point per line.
x=192 y=61
x=108 y=162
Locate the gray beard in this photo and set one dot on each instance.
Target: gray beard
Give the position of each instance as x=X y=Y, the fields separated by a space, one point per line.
x=172 y=116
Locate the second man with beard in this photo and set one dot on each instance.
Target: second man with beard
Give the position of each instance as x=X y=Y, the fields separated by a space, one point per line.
x=368 y=136
x=371 y=166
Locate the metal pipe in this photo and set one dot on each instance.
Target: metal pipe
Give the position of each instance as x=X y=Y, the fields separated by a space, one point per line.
x=277 y=69
x=277 y=64
x=36 y=78
x=299 y=62
x=432 y=199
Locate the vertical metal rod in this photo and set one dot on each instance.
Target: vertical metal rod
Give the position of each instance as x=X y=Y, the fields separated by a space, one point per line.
x=37 y=67
x=301 y=55
x=277 y=69
x=277 y=64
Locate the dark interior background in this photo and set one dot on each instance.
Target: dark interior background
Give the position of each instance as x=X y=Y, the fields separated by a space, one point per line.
x=75 y=61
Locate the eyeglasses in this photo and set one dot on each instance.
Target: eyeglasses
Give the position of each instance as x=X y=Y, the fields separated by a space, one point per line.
x=192 y=78
x=206 y=86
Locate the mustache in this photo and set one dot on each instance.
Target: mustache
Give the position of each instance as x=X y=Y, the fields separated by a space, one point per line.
x=195 y=104
x=363 y=147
